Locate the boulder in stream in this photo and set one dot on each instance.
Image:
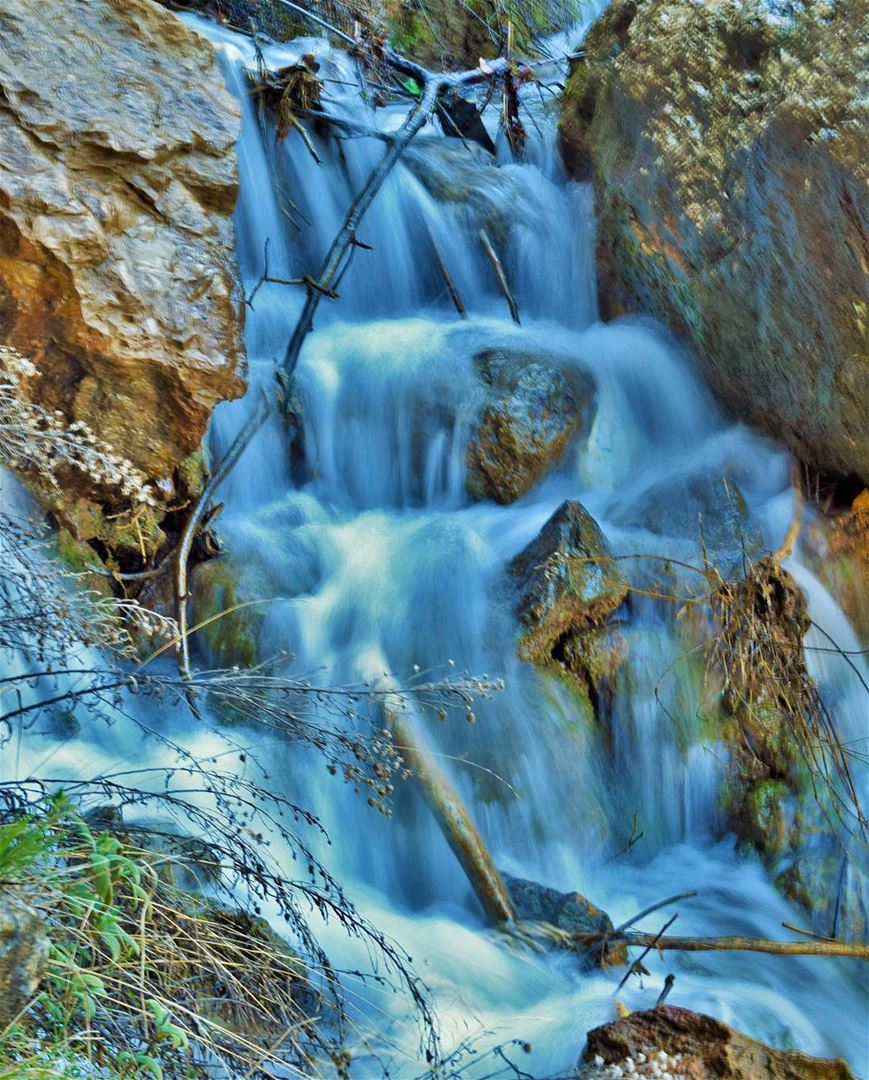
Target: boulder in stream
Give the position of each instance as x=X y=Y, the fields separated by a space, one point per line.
x=568 y=582
x=535 y=405
x=727 y=143
x=697 y=1047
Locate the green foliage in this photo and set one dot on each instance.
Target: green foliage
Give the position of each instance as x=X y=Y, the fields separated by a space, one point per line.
x=123 y=943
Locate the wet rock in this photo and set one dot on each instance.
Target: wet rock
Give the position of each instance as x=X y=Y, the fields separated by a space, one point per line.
x=534 y=406
x=567 y=580
x=838 y=548
x=822 y=879
x=23 y=953
x=697 y=1047
x=727 y=145
x=461 y=119
x=570 y=912
x=117 y=265
x=221 y=585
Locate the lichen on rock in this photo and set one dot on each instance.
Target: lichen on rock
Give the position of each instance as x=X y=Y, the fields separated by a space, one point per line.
x=567 y=580
x=727 y=143
x=535 y=405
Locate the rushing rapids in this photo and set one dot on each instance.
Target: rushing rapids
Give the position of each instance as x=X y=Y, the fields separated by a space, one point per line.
x=374 y=560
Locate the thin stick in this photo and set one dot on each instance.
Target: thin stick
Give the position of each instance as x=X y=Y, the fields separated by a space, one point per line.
x=450 y=284
x=651 y=942
x=654 y=907
x=492 y=255
x=182 y=553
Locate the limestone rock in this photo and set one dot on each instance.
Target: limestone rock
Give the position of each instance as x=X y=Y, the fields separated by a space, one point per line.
x=728 y=144
x=534 y=407
x=23 y=953
x=567 y=581
x=117 y=182
x=709 y=1049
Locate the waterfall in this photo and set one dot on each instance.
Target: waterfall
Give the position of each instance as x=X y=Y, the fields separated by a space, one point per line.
x=376 y=561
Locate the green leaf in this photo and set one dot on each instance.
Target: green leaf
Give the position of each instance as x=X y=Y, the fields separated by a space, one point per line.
x=412 y=87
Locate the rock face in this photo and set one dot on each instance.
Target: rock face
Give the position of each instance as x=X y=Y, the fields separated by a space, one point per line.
x=567 y=581
x=707 y=1049
x=728 y=145
x=23 y=952
x=117 y=181
x=533 y=409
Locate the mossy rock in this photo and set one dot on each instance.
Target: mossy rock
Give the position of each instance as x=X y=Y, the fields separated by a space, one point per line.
x=567 y=581
x=764 y=818
x=231 y=639
x=80 y=557
x=727 y=146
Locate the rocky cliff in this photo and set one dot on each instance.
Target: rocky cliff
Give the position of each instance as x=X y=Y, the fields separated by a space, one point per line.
x=728 y=146
x=117 y=182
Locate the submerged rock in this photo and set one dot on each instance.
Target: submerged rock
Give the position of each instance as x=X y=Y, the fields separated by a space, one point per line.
x=697 y=1047
x=117 y=266
x=228 y=600
x=534 y=407
x=568 y=582
x=727 y=142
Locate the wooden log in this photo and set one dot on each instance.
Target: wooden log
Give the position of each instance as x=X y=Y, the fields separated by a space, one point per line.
x=452 y=816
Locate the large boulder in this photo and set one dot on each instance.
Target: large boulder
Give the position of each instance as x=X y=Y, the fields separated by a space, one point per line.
x=677 y=1042
x=117 y=182
x=534 y=406
x=567 y=580
x=728 y=143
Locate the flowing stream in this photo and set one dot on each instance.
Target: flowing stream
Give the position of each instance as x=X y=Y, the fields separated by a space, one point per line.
x=375 y=560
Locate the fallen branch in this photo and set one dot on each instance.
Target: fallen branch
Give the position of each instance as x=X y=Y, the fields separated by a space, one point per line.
x=492 y=256
x=450 y=284
x=182 y=552
x=433 y=85
x=451 y=814
x=747 y=944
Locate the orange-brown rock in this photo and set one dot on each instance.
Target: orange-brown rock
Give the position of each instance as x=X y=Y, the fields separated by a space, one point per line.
x=117 y=182
x=698 y=1047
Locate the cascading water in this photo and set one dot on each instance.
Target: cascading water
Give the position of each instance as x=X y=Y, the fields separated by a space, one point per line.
x=375 y=561
x=381 y=564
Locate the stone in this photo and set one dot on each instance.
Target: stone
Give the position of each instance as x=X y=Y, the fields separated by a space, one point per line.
x=117 y=183
x=567 y=582
x=221 y=585
x=727 y=144
x=534 y=406
x=709 y=1049
x=23 y=954
x=570 y=912
x=838 y=549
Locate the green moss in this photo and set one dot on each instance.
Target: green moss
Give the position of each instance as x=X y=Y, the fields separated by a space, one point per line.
x=80 y=557
x=230 y=639
x=134 y=532
x=192 y=475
